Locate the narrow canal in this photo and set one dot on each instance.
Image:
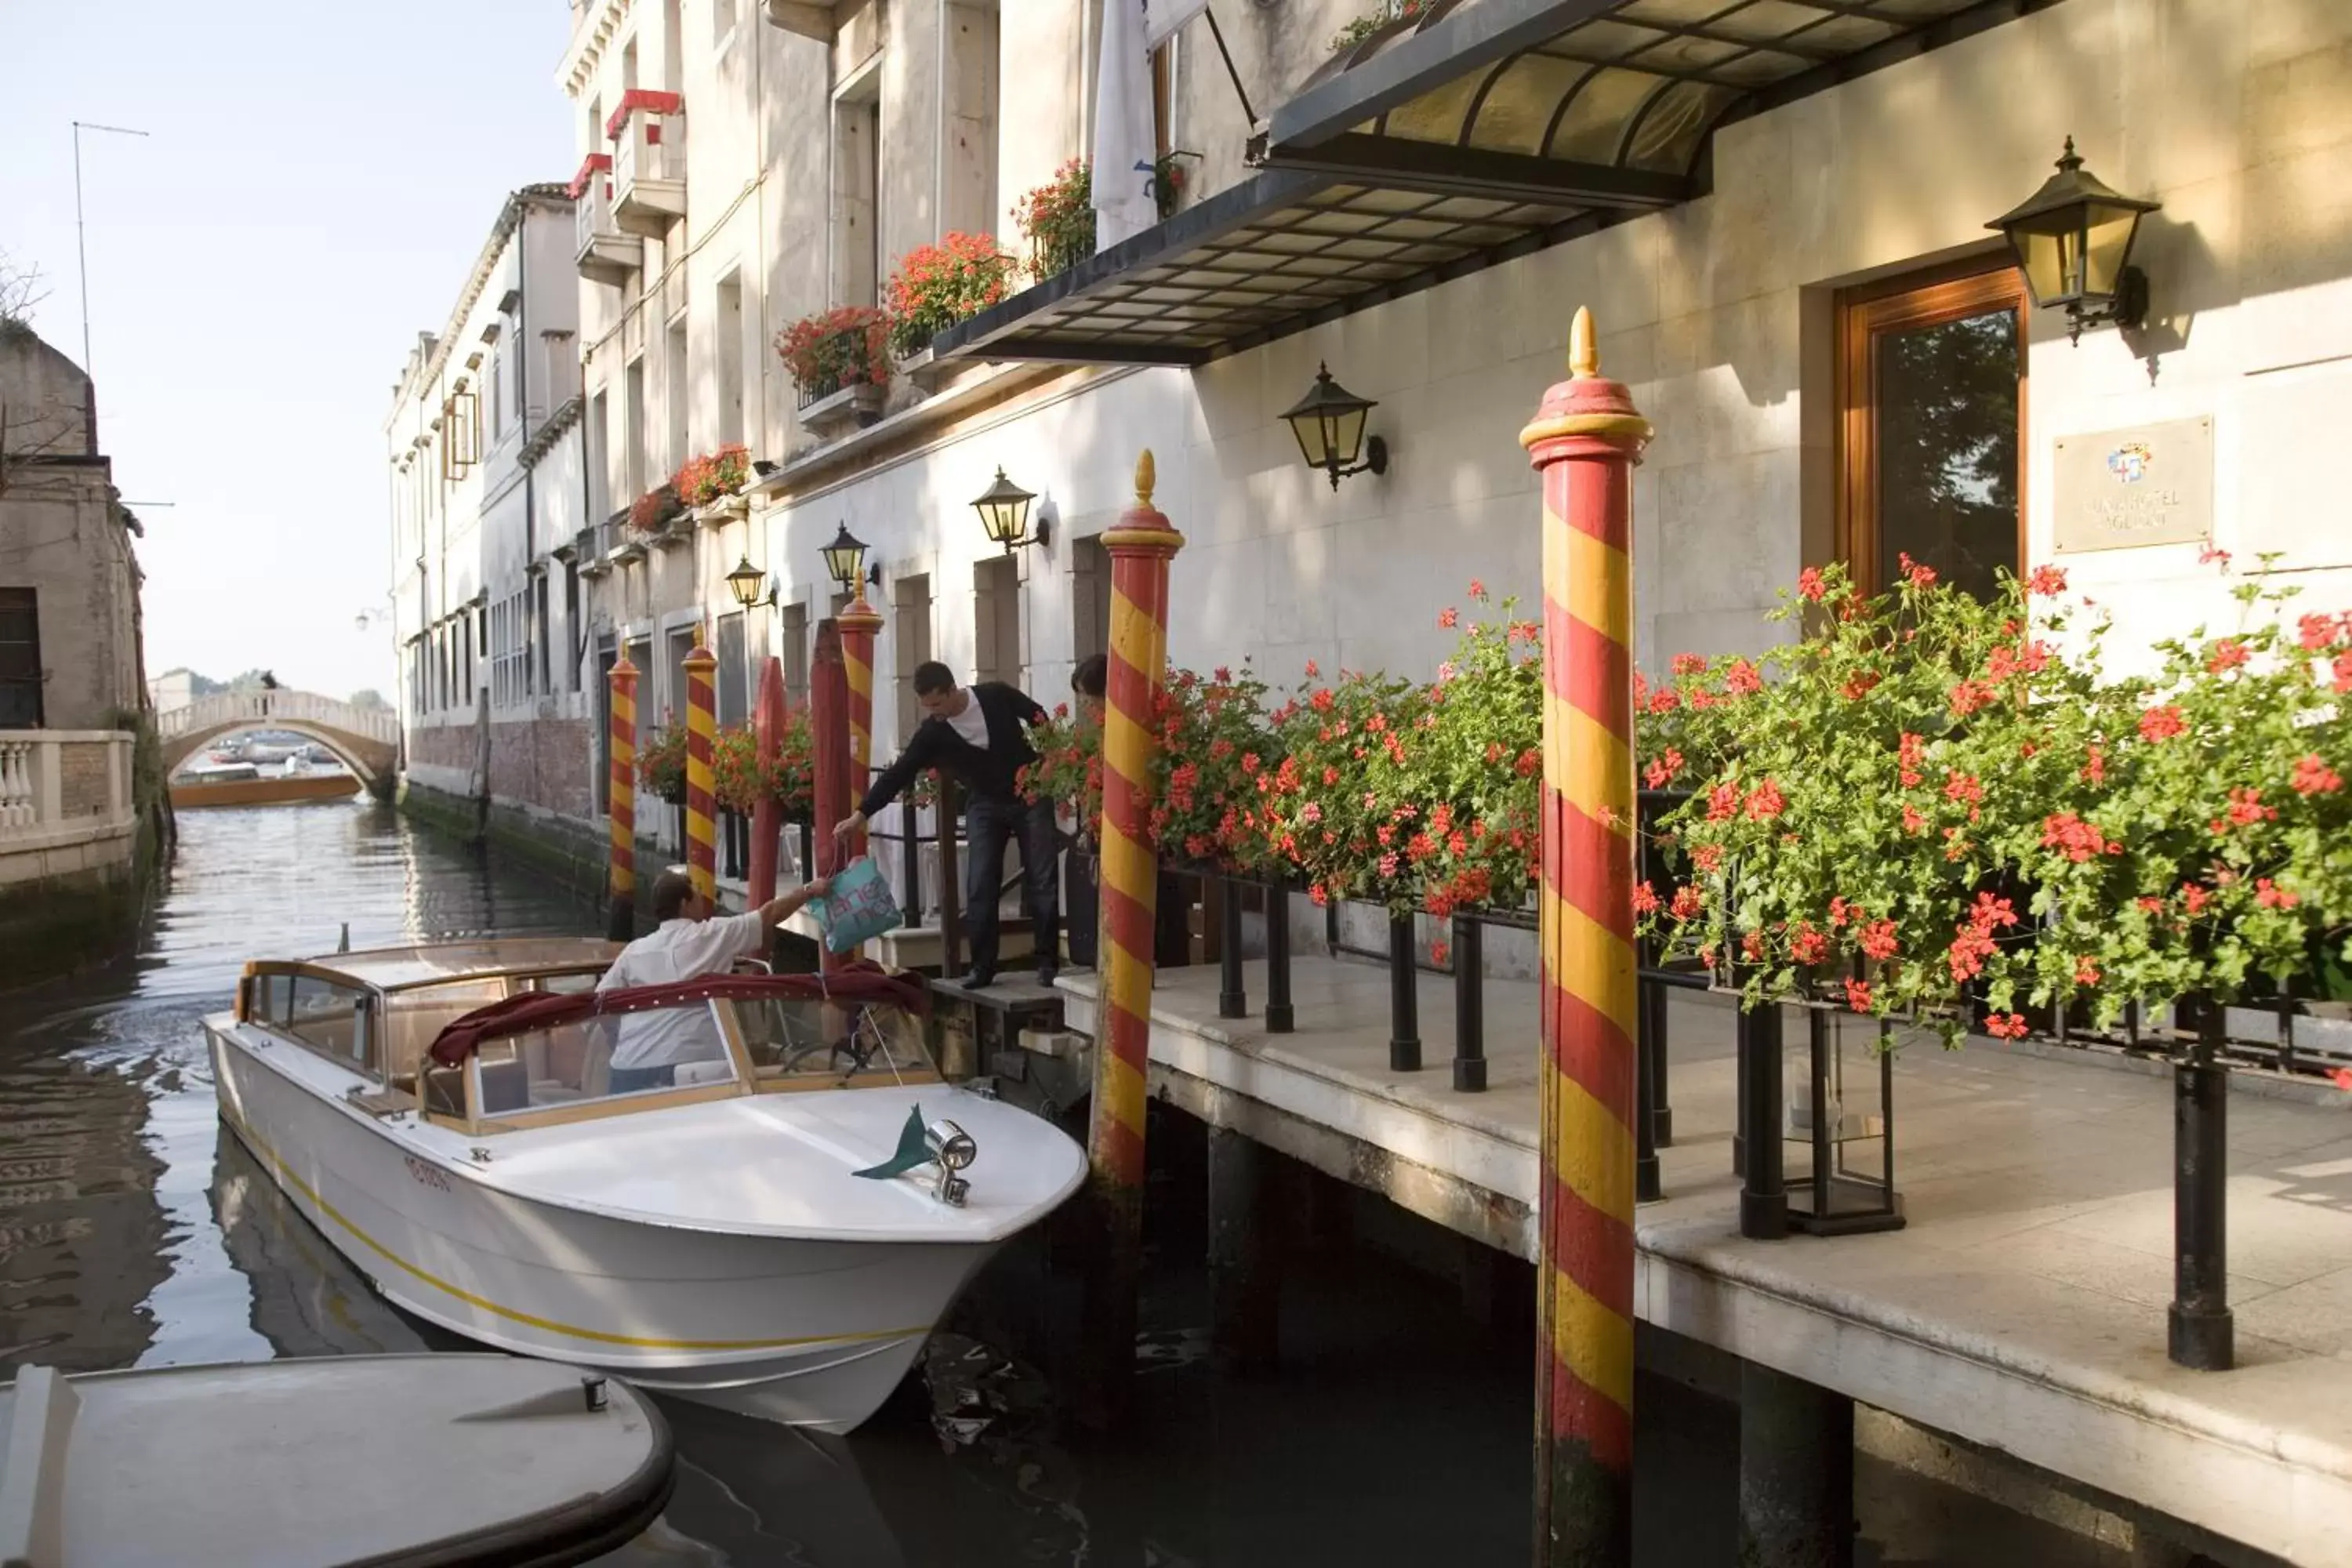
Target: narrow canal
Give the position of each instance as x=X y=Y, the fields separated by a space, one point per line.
x=134 y=1232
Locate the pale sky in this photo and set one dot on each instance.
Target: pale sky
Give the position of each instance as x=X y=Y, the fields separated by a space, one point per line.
x=317 y=181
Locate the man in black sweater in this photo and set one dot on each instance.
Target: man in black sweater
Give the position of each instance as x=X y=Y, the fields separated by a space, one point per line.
x=978 y=733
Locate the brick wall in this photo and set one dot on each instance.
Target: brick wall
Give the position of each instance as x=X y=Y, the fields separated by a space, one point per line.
x=81 y=769
x=542 y=763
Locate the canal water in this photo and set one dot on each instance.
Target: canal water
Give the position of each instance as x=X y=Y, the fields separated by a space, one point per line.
x=134 y=1232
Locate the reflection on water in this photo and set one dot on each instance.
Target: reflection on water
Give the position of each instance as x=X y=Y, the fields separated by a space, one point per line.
x=134 y=1231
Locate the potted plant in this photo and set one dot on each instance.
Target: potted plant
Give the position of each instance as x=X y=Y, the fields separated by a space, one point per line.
x=712 y=482
x=1384 y=15
x=1168 y=181
x=936 y=286
x=840 y=364
x=1057 y=219
x=741 y=779
x=661 y=763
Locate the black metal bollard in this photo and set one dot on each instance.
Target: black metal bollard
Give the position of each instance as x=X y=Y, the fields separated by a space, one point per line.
x=1404 y=998
x=1469 y=1006
x=2201 y=1331
x=1763 y=1197
x=1233 y=995
x=1661 y=1113
x=1280 y=1018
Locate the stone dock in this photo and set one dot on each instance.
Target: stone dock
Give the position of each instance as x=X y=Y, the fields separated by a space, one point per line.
x=2021 y=1309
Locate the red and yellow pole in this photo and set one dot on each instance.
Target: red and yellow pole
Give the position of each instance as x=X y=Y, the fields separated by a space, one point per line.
x=831 y=794
x=1584 y=441
x=858 y=623
x=1140 y=546
x=621 y=742
x=701 y=731
x=769 y=714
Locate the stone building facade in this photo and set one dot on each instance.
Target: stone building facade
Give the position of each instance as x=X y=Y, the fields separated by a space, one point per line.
x=70 y=636
x=487 y=495
x=1766 y=208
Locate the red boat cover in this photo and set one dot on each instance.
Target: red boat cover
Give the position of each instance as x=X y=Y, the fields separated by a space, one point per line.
x=532 y=1011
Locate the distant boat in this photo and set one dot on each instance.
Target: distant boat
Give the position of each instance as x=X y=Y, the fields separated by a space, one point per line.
x=395 y=1461
x=244 y=783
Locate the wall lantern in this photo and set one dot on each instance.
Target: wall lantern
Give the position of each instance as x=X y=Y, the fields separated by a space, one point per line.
x=1329 y=424
x=845 y=561
x=745 y=583
x=2073 y=239
x=1004 y=513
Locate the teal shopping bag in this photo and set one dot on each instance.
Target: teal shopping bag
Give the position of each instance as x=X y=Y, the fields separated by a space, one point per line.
x=857 y=908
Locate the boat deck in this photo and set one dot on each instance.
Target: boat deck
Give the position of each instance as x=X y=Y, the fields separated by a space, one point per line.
x=2023 y=1307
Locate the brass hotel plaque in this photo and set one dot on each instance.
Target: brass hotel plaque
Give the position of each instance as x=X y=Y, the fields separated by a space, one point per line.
x=2149 y=485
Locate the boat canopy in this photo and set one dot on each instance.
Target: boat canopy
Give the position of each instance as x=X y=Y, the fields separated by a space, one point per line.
x=537 y=1011
x=437 y=963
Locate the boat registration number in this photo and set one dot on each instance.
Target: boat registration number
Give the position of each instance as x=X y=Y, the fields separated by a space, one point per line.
x=425 y=1172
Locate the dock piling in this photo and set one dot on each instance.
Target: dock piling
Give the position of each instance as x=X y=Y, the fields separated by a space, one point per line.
x=1245 y=1289
x=769 y=715
x=1584 y=441
x=621 y=742
x=1141 y=546
x=702 y=732
x=1763 y=1191
x=1796 y=1472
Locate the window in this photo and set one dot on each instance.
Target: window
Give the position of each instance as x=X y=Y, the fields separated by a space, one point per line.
x=598 y=456
x=1089 y=599
x=681 y=643
x=970 y=188
x=673 y=52
x=910 y=632
x=792 y=623
x=324 y=1015
x=1931 y=405
x=857 y=189
x=996 y=619
x=20 y=658
x=732 y=679
x=607 y=656
x=497 y=394
x=591 y=1060
x=540 y=627
x=676 y=395
x=510 y=650
x=636 y=477
x=729 y=351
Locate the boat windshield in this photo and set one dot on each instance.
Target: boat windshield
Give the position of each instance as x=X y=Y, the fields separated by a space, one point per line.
x=593 y=1059
x=415 y=1014
x=800 y=1039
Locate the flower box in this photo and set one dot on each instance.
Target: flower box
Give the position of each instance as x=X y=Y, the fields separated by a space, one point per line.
x=722 y=512
x=837 y=412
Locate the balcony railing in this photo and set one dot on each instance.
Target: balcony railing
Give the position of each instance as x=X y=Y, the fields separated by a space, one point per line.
x=57 y=787
x=648 y=136
x=605 y=253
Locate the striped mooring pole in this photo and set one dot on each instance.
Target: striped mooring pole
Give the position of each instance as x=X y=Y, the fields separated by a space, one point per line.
x=769 y=714
x=1141 y=546
x=1584 y=441
x=701 y=731
x=858 y=622
x=621 y=742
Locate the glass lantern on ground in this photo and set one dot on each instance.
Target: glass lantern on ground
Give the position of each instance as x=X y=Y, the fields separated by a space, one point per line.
x=1839 y=1124
x=2073 y=239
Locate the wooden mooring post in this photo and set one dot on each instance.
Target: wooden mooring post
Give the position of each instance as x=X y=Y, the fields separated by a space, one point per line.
x=701 y=733
x=1584 y=441
x=621 y=743
x=1140 y=546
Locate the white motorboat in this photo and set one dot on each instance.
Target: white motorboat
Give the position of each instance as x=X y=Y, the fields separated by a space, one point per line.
x=776 y=1230
x=425 y=1460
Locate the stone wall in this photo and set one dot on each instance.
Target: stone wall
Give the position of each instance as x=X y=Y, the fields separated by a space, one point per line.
x=543 y=763
x=82 y=778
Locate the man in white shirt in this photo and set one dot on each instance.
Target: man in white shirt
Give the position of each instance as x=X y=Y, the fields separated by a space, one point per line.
x=689 y=941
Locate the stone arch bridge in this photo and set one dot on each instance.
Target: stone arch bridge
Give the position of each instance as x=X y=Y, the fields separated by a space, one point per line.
x=367 y=740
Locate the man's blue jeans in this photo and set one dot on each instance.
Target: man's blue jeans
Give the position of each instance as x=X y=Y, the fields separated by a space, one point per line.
x=989 y=825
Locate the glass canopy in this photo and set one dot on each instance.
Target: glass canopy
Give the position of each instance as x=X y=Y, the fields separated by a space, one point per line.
x=1446 y=143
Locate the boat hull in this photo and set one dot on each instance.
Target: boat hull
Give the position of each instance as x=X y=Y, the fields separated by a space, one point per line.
x=275 y=791
x=811 y=1332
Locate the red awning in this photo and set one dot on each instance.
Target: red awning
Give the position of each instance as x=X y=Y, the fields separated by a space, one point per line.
x=535 y=1010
